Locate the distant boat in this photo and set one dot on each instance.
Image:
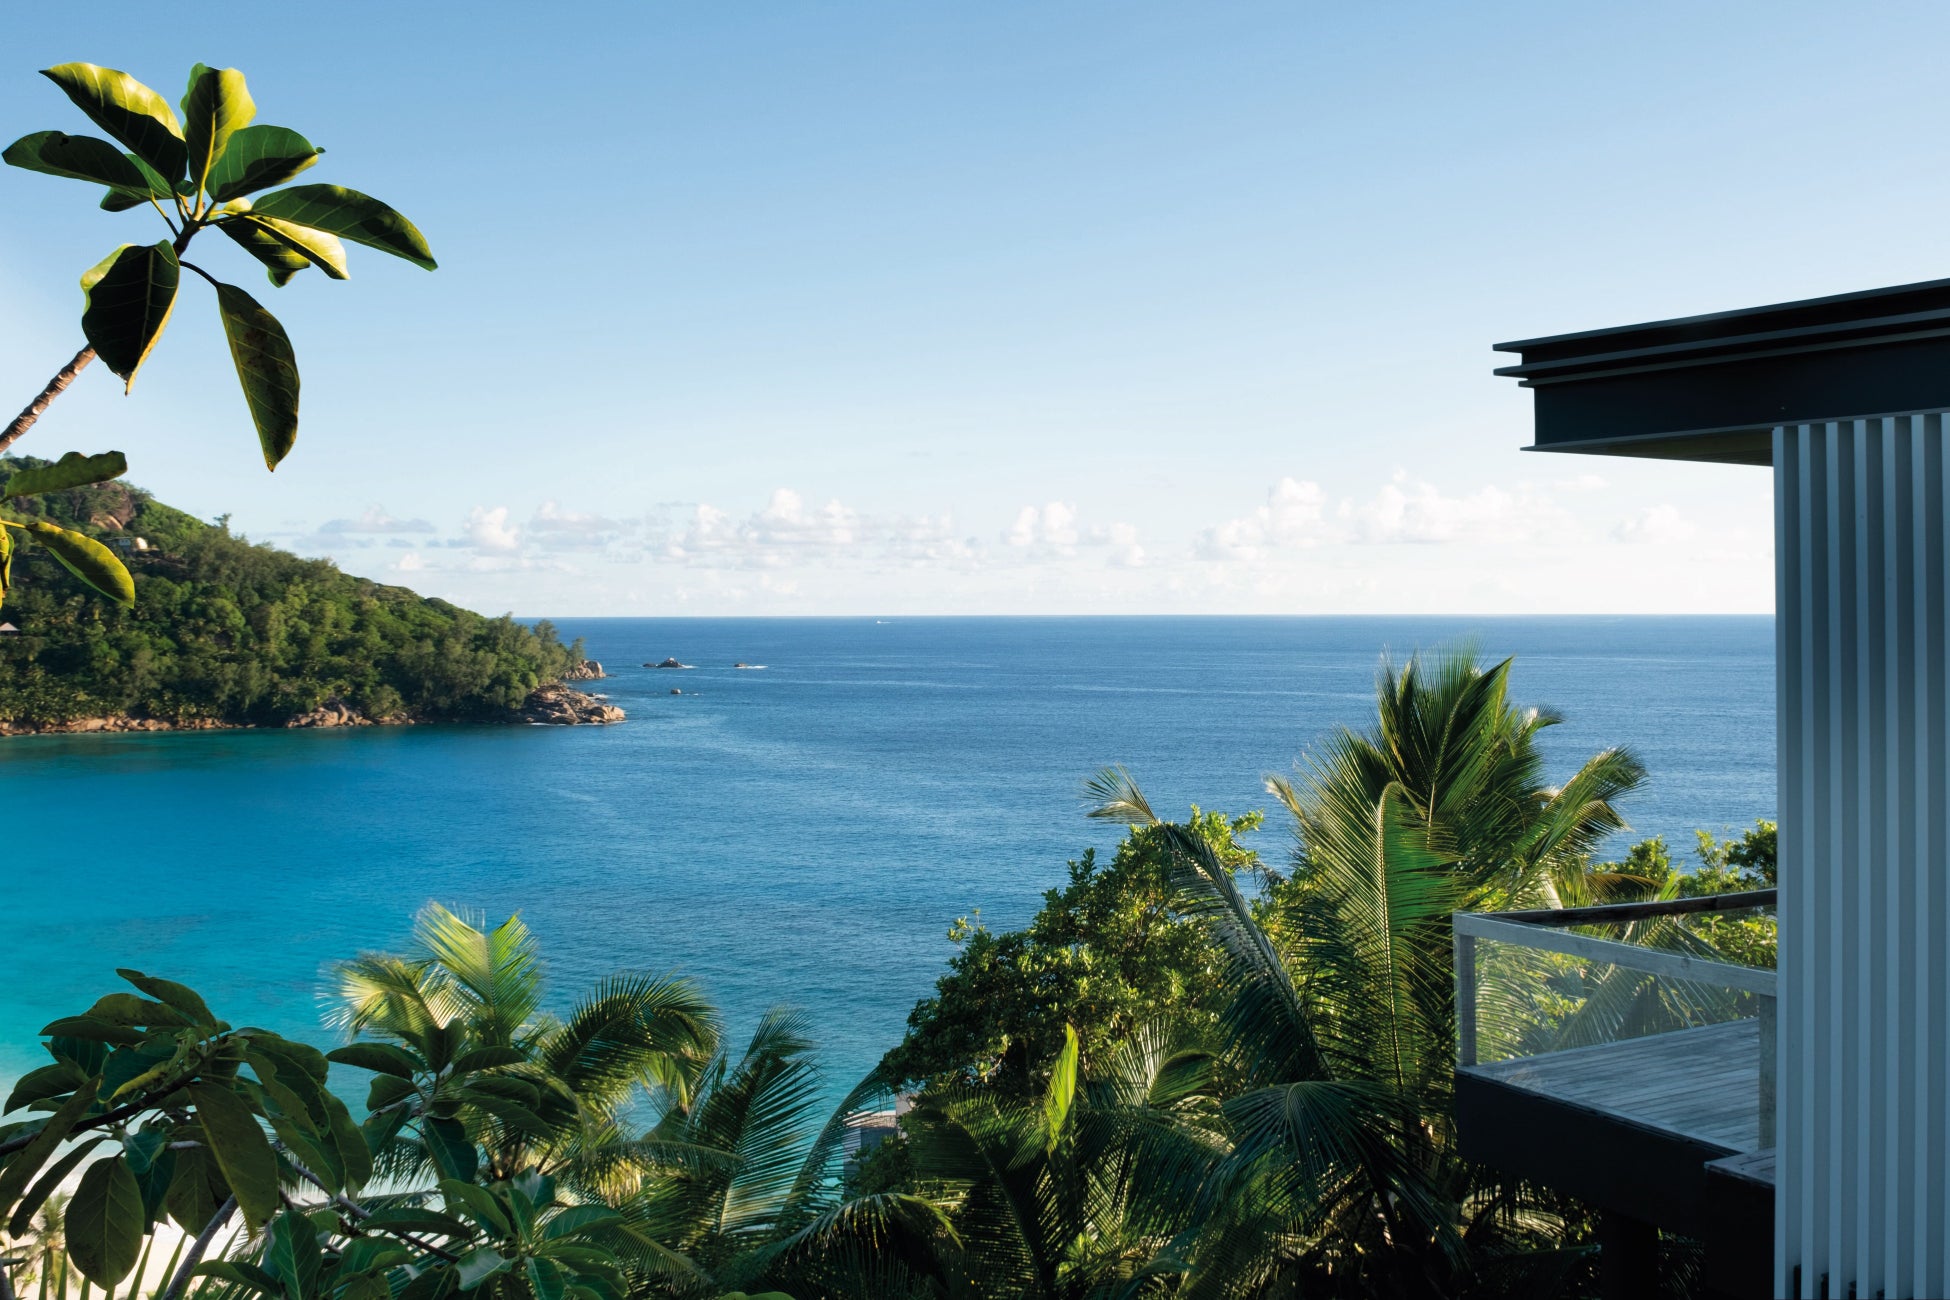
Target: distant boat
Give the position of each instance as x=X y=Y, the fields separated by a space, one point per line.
x=742 y=664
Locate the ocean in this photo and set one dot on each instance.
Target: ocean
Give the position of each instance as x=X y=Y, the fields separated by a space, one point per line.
x=801 y=833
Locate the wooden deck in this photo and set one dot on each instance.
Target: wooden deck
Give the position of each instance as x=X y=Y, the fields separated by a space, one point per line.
x=1702 y=1084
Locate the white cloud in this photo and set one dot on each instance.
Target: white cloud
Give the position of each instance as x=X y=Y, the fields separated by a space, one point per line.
x=551 y=518
x=1055 y=525
x=412 y=563
x=1655 y=526
x=489 y=530
x=1422 y=513
x=376 y=520
x=1294 y=516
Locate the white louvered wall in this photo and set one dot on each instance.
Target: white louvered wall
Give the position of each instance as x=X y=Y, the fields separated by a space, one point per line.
x=1864 y=712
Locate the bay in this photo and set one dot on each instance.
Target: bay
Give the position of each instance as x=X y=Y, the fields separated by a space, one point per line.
x=799 y=833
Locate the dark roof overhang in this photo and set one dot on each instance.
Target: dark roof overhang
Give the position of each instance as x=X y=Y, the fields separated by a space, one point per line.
x=1714 y=387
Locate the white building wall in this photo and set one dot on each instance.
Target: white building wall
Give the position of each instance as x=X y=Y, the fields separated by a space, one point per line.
x=1863 y=1134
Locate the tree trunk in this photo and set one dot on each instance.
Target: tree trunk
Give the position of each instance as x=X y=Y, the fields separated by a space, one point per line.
x=25 y=420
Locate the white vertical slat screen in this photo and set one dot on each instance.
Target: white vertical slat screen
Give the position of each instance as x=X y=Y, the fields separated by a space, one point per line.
x=1864 y=708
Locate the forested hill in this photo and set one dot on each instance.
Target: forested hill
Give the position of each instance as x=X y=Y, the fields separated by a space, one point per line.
x=226 y=632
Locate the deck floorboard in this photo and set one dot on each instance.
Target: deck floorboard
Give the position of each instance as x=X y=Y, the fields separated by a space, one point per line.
x=1700 y=1083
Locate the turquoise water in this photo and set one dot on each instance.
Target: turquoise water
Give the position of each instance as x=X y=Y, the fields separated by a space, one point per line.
x=802 y=834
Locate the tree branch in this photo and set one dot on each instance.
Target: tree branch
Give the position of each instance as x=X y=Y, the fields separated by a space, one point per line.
x=201 y=1244
x=62 y=378
x=360 y=1213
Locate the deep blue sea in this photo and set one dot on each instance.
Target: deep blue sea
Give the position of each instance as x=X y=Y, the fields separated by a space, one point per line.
x=802 y=834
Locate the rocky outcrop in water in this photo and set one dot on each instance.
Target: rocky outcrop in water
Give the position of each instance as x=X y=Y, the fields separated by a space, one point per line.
x=587 y=671
x=562 y=706
x=669 y=663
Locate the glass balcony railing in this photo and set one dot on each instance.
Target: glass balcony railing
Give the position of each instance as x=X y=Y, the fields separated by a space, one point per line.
x=1660 y=1013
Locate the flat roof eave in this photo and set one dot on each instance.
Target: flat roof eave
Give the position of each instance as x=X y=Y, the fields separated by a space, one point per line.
x=1714 y=387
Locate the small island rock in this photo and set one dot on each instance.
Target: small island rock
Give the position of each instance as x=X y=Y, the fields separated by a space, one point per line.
x=589 y=670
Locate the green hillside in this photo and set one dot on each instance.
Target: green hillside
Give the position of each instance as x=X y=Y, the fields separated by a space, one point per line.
x=227 y=631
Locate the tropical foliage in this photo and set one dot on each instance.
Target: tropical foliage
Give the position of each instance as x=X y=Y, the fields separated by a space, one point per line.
x=239 y=633
x=197 y=173
x=1260 y=1106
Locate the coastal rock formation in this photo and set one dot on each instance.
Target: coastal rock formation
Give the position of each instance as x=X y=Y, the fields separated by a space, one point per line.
x=118 y=723
x=334 y=712
x=587 y=671
x=668 y=663
x=562 y=706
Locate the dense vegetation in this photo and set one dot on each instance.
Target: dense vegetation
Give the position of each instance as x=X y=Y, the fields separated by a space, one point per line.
x=226 y=630
x=1191 y=1074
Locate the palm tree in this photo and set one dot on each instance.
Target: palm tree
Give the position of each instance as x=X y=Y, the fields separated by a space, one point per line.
x=1339 y=1021
x=473 y=1077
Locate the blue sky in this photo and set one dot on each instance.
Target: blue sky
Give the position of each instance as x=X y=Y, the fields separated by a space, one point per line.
x=1012 y=308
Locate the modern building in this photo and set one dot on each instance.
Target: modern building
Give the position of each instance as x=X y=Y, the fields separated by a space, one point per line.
x=1835 y=1072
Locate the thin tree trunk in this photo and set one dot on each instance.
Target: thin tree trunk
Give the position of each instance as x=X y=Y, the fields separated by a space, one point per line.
x=25 y=420
x=181 y=1281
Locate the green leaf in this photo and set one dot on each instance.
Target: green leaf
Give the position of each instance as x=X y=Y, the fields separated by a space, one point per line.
x=291 y=1255
x=418 y=1221
x=56 y=1174
x=168 y=992
x=245 y=1275
x=452 y=1150
x=580 y=1219
x=50 y=1080
x=97 y=566
x=72 y=470
x=349 y=215
x=265 y=367
x=1062 y=1091
x=129 y=296
x=545 y=1279
x=364 y=1254
x=217 y=105
x=479 y=1203
x=192 y=1198
x=27 y=1162
x=488 y=1058
x=259 y=157
x=349 y=1143
x=79 y=157
x=242 y=1152
x=84 y=1027
x=315 y=246
x=126 y=109
x=280 y=260
x=105 y=1222
x=120 y=201
x=478 y=1266
x=386 y=1090
x=383 y=1058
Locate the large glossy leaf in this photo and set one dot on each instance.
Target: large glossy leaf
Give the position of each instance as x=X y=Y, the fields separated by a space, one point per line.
x=27 y=1162
x=129 y=294
x=281 y=261
x=349 y=215
x=105 y=1222
x=382 y=1058
x=56 y=1174
x=452 y=1150
x=242 y=1152
x=291 y=1255
x=217 y=105
x=97 y=566
x=168 y=992
x=265 y=367
x=258 y=158
x=80 y=157
x=72 y=470
x=128 y=110
x=315 y=246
